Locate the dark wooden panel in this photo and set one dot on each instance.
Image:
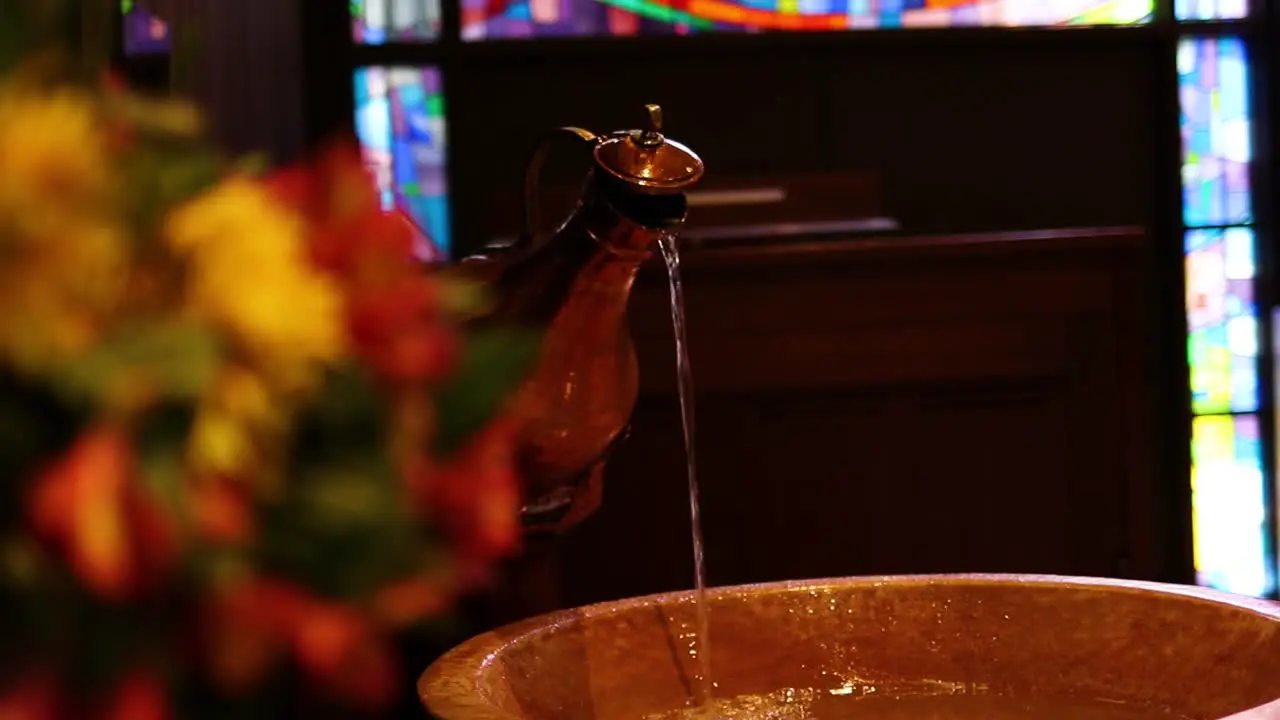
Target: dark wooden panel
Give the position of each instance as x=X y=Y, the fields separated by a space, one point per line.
x=809 y=197
x=999 y=137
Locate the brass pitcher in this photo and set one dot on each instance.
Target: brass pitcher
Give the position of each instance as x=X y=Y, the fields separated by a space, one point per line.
x=575 y=282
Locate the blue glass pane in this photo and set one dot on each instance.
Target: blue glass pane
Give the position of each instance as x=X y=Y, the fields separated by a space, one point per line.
x=401 y=126
x=1213 y=75
x=374 y=22
x=1210 y=9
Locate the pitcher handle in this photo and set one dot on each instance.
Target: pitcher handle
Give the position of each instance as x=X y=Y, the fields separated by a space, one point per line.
x=533 y=171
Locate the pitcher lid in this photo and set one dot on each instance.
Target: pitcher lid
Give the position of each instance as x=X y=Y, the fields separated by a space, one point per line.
x=648 y=160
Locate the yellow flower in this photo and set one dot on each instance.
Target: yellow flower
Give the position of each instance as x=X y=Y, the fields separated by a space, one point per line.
x=236 y=420
x=53 y=156
x=250 y=276
x=58 y=290
x=63 y=256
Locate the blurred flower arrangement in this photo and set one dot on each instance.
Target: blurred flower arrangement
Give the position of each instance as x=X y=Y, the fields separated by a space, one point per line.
x=243 y=436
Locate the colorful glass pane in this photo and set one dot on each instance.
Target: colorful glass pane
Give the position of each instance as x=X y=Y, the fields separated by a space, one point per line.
x=1213 y=75
x=144 y=33
x=1229 y=505
x=1222 y=320
x=502 y=19
x=401 y=126
x=1210 y=9
x=374 y=22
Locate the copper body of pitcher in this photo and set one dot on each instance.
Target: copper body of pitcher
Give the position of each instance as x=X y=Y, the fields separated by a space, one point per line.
x=575 y=283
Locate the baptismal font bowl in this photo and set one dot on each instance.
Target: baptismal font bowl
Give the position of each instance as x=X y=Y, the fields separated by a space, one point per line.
x=1185 y=651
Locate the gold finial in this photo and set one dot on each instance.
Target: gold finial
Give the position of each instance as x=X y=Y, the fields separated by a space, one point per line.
x=655 y=118
x=651 y=136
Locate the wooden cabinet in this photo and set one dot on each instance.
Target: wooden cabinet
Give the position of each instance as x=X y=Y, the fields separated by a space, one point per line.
x=896 y=405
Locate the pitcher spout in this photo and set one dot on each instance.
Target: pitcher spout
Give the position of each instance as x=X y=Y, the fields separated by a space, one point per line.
x=627 y=222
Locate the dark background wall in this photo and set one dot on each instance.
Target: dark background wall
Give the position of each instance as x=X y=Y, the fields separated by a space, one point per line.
x=981 y=130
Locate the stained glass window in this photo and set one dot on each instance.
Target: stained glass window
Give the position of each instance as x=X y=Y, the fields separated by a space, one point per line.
x=1229 y=511
x=1210 y=9
x=374 y=22
x=501 y=19
x=401 y=127
x=144 y=33
x=1229 y=506
x=1222 y=320
x=1216 y=147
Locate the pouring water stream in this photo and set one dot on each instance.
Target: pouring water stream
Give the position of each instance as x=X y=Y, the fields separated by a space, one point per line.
x=700 y=649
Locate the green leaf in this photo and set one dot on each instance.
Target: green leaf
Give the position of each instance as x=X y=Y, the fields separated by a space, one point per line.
x=349 y=415
x=163 y=172
x=175 y=361
x=343 y=529
x=494 y=364
x=253 y=164
x=160 y=439
x=157 y=119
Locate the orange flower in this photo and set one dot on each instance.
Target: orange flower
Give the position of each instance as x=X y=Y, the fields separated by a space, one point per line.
x=325 y=637
x=344 y=651
x=220 y=511
x=90 y=504
x=408 y=601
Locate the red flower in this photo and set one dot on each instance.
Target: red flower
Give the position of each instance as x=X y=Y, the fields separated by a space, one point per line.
x=34 y=698
x=89 y=503
x=139 y=697
x=395 y=314
x=253 y=624
x=475 y=497
x=247 y=631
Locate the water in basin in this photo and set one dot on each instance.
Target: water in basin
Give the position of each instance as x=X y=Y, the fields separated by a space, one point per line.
x=888 y=703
